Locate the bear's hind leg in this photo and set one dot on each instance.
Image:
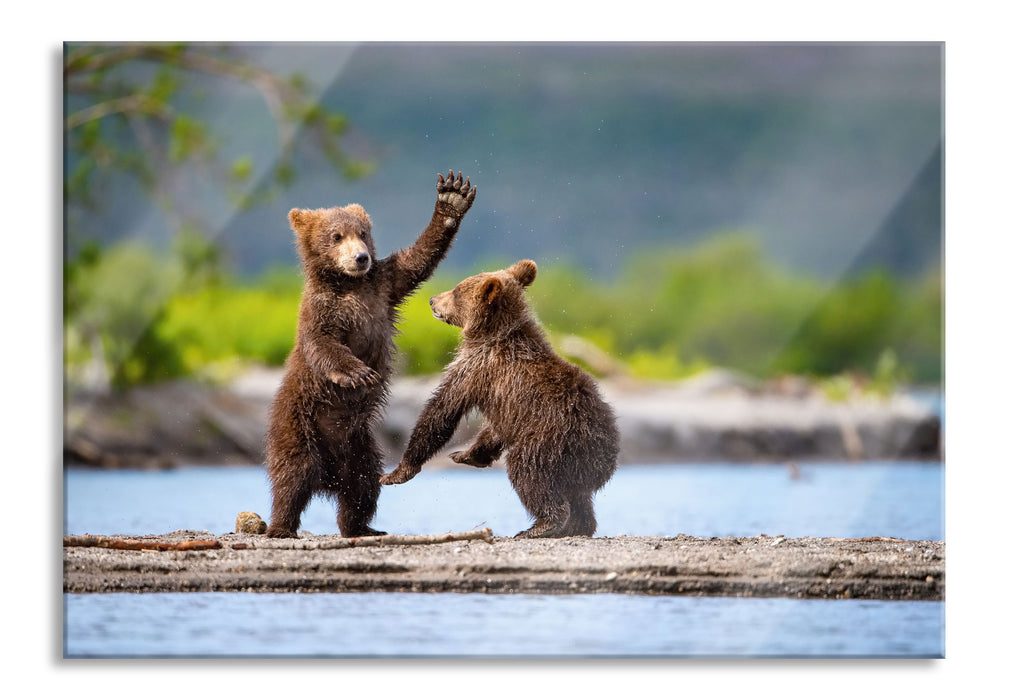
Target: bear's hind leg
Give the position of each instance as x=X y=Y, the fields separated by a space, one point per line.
x=357 y=491
x=583 y=518
x=486 y=448
x=552 y=522
x=292 y=490
x=357 y=502
x=539 y=494
x=355 y=509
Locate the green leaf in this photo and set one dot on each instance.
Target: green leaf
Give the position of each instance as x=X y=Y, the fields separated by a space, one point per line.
x=284 y=173
x=241 y=169
x=165 y=84
x=357 y=169
x=188 y=138
x=336 y=123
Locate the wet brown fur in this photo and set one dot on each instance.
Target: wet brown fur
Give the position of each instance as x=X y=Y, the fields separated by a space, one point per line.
x=320 y=439
x=560 y=435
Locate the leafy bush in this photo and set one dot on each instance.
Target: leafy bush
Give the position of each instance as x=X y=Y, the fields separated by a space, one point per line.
x=113 y=304
x=669 y=314
x=220 y=324
x=425 y=344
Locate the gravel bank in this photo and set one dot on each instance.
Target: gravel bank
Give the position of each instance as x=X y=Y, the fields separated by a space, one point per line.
x=765 y=566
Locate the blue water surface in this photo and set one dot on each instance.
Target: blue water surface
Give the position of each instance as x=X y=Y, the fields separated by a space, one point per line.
x=828 y=500
x=486 y=625
x=902 y=500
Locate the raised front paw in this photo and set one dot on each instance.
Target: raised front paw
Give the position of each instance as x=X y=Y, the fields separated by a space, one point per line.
x=400 y=475
x=363 y=376
x=455 y=193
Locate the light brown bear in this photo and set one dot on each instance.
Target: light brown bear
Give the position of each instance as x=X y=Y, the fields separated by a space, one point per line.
x=560 y=435
x=319 y=439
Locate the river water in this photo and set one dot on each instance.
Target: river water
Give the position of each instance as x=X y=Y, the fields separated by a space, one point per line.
x=825 y=500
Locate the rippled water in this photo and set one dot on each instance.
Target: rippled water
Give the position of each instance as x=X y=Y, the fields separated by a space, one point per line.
x=481 y=625
x=827 y=500
x=897 y=500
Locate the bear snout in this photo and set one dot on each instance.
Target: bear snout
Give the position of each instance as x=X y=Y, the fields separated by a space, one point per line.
x=362 y=260
x=441 y=309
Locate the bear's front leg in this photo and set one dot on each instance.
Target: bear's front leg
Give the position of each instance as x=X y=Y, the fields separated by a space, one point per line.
x=333 y=360
x=435 y=426
x=407 y=269
x=352 y=377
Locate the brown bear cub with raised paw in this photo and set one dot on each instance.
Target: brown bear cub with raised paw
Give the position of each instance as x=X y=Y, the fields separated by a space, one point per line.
x=320 y=438
x=561 y=437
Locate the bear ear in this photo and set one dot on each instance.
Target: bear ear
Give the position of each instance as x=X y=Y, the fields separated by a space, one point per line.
x=358 y=211
x=301 y=219
x=524 y=271
x=490 y=290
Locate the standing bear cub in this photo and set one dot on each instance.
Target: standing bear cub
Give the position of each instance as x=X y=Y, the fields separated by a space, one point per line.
x=560 y=435
x=320 y=439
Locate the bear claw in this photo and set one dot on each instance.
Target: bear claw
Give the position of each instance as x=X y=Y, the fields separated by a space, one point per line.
x=366 y=377
x=281 y=533
x=455 y=192
x=398 y=476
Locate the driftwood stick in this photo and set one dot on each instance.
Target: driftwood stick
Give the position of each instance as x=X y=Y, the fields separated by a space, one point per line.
x=114 y=543
x=264 y=543
x=376 y=540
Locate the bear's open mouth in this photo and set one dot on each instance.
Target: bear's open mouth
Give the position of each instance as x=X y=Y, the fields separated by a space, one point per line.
x=437 y=315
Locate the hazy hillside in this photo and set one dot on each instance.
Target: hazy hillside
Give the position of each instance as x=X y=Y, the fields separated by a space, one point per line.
x=830 y=154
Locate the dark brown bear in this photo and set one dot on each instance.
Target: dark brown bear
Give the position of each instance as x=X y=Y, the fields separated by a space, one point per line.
x=319 y=439
x=560 y=435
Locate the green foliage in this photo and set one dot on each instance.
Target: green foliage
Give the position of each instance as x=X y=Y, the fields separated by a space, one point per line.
x=721 y=302
x=671 y=314
x=676 y=311
x=241 y=168
x=861 y=322
x=134 y=110
x=113 y=302
x=888 y=373
x=199 y=259
x=839 y=387
x=227 y=324
x=664 y=364
x=188 y=138
x=847 y=328
x=425 y=344
x=133 y=315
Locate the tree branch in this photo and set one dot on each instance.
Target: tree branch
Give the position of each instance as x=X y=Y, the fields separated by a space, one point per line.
x=120 y=105
x=275 y=92
x=116 y=543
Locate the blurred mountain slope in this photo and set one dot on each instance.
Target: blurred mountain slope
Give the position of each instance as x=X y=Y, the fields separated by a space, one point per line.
x=829 y=154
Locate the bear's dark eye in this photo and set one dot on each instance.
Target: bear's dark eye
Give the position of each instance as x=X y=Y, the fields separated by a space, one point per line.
x=337 y=237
